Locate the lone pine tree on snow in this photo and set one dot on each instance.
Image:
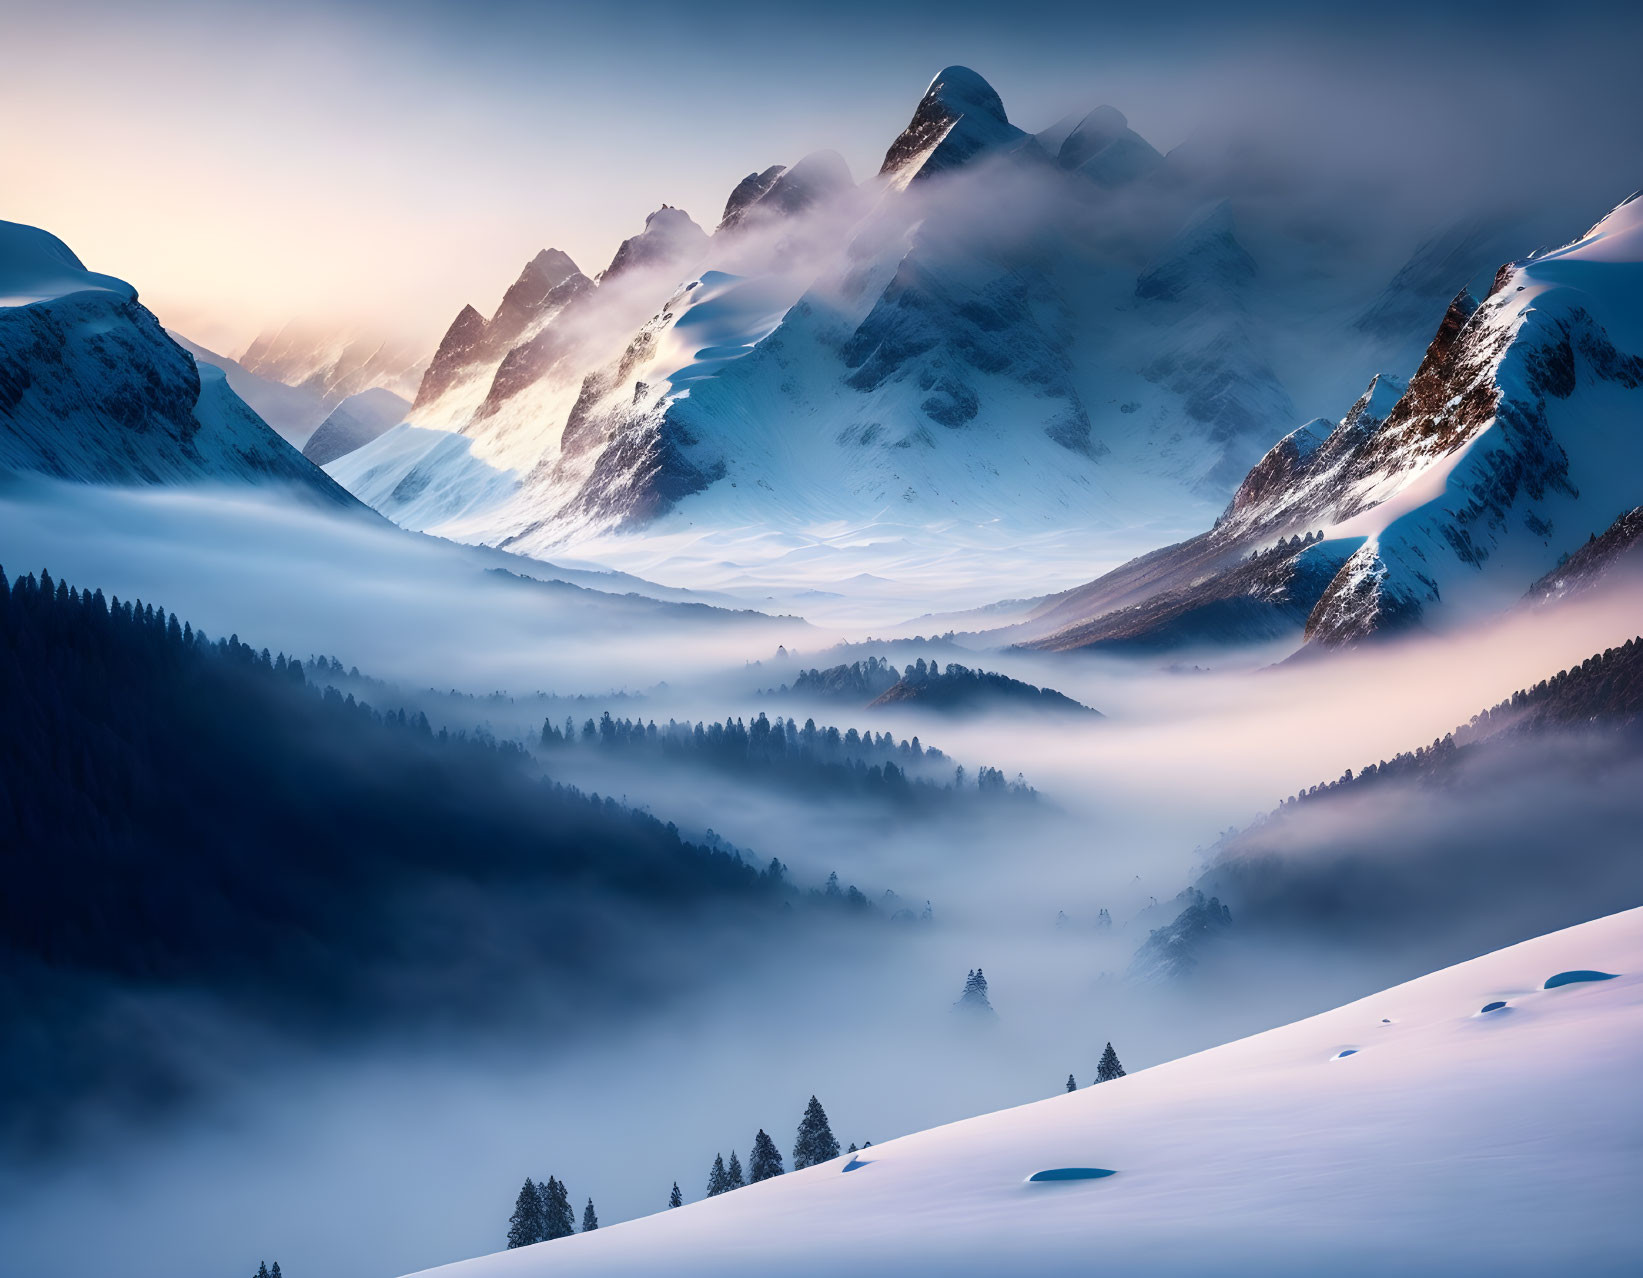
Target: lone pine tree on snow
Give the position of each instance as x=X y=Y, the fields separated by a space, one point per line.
x=815 y=1143
x=1072 y=1086
x=590 y=1218
x=765 y=1161
x=1109 y=1068
x=675 y=1199
x=974 y=998
x=528 y=1224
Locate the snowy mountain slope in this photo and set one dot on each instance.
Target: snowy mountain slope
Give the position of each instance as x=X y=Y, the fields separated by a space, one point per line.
x=92 y=389
x=1037 y=336
x=354 y=423
x=959 y=117
x=1411 y=1130
x=1618 y=551
x=1102 y=147
x=294 y=412
x=1513 y=443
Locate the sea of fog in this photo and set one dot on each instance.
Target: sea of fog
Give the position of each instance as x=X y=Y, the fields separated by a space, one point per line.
x=387 y=1153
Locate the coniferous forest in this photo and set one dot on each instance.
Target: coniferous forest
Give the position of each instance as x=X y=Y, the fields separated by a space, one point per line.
x=186 y=812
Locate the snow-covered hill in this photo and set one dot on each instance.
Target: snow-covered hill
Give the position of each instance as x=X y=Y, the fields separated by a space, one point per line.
x=1000 y=336
x=92 y=388
x=1481 y=1119
x=1515 y=441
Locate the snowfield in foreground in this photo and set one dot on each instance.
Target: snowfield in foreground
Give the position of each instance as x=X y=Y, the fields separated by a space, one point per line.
x=1412 y=1131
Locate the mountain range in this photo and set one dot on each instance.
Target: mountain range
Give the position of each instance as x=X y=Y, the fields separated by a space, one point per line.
x=1002 y=331
x=1512 y=446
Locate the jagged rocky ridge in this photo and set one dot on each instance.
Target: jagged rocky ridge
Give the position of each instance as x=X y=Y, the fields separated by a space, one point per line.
x=938 y=343
x=1513 y=443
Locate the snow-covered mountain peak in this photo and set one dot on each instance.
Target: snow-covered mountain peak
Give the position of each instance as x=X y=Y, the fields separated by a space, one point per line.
x=1375 y=405
x=748 y=192
x=1103 y=148
x=94 y=391
x=36 y=266
x=783 y=192
x=959 y=117
x=670 y=237
x=548 y=281
x=962 y=91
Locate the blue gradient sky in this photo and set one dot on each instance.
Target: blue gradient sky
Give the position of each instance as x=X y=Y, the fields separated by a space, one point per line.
x=245 y=163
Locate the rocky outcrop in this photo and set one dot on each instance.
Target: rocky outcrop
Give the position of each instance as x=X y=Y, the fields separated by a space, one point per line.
x=1520 y=418
x=670 y=239
x=549 y=284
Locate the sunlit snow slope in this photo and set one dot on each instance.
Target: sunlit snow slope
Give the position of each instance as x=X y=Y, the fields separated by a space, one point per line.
x=1515 y=441
x=1412 y=1131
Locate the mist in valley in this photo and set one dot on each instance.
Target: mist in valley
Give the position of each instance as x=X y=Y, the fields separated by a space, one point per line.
x=350 y=1143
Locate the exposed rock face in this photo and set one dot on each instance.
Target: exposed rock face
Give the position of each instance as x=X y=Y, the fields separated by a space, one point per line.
x=548 y=285
x=461 y=346
x=763 y=198
x=334 y=366
x=1518 y=427
x=747 y=193
x=670 y=238
x=539 y=288
x=959 y=117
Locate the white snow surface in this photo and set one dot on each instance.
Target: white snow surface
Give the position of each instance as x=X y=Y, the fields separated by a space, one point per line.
x=97 y=392
x=1407 y=1132
x=36 y=266
x=1592 y=288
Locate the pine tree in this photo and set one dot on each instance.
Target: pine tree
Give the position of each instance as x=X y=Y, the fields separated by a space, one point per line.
x=558 y=1216
x=974 y=999
x=274 y=1272
x=1071 y=1085
x=675 y=1199
x=765 y=1161
x=1109 y=1068
x=262 y=1269
x=525 y=1225
x=733 y=1173
x=717 y=1179
x=590 y=1218
x=815 y=1143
